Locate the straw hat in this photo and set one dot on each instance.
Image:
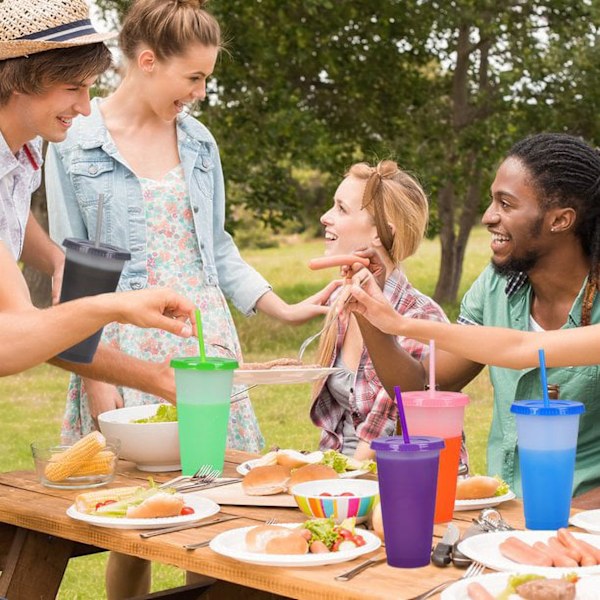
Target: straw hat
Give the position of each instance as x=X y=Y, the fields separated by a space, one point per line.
x=30 y=26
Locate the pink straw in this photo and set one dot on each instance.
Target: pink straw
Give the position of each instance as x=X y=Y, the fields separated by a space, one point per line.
x=402 y=415
x=431 y=368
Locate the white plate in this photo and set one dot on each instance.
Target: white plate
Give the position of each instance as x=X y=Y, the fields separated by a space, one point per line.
x=232 y=544
x=247 y=466
x=588 y=520
x=495 y=583
x=483 y=502
x=484 y=548
x=202 y=508
x=282 y=375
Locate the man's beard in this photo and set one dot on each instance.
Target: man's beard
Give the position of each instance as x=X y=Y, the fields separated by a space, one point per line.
x=513 y=265
x=525 y=263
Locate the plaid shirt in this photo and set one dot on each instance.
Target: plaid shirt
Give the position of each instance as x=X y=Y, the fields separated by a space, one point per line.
x=373 y=412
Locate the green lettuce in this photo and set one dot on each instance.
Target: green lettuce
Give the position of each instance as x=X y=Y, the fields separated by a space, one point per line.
x=164 y=414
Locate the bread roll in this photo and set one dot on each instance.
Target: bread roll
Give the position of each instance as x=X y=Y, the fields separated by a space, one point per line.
x=311 y=473
x=265 y=481
x=274 y=539
x=294 y=459
x=159 y=505
x=473 y=488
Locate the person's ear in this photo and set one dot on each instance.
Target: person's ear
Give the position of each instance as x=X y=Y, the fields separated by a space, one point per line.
x=563 y=219
x=146 y=60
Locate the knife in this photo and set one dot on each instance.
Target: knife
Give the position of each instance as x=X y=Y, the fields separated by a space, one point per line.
x=440 y=556
x=193 y=525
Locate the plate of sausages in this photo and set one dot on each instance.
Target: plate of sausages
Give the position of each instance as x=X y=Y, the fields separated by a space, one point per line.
x=493 y=585
x=549 y=553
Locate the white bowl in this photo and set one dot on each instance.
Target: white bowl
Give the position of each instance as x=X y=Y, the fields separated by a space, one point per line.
x=151 y=446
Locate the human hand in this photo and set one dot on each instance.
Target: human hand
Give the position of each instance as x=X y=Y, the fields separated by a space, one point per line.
x=368 y=300
x=313 y=306
x=102 y=397
x=161 y=308
x=376 y=265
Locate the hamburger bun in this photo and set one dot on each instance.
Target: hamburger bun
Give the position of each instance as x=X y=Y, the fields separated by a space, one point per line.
x=479 y=486
x=294 y=459
x=311 y=473
x=265 y=481
x=156 y=506
x=274 y=539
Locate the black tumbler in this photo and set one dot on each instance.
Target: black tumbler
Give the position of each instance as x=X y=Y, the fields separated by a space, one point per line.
x=89 y=270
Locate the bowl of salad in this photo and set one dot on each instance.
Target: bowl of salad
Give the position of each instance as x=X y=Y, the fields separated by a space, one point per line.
x=148 y=435
x=339 y=499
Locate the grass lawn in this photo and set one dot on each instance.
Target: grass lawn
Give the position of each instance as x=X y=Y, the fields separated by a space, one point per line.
x=32 y=402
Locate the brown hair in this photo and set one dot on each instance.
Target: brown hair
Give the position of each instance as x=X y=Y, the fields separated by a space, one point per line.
x=34 y=74
x=168 y=27
x=391 y=196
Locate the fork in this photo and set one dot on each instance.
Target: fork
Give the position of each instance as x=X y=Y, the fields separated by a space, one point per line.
x=474 y=570
x=200 y=475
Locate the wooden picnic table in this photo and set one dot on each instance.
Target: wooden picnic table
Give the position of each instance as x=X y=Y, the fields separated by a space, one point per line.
x=37 y=539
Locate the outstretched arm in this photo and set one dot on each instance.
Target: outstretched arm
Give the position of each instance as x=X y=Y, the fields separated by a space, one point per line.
x=487 y=345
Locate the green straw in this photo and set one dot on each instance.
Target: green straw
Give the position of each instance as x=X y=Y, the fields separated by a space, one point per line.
x=543 y=377
x=200 y=335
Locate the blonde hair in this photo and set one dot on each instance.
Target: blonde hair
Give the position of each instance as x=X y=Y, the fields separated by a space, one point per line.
x=168 y=27
x=391 y=197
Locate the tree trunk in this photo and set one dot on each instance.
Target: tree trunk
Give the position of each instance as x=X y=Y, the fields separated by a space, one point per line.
x=40 y=285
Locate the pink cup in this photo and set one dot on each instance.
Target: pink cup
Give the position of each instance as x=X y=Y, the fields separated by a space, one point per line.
x=440 y=414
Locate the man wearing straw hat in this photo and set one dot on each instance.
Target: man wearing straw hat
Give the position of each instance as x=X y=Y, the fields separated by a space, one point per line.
x=50 y=56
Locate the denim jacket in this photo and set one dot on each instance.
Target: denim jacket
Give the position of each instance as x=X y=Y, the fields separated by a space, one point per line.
x=88 y=163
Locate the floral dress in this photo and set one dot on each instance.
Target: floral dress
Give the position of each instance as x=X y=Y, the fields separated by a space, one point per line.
x=173 y=261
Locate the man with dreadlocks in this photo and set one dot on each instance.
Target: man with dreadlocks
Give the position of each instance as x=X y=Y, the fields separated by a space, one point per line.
x=544 y=218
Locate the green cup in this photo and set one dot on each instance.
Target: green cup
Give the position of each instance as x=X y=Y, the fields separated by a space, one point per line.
x=203 y=400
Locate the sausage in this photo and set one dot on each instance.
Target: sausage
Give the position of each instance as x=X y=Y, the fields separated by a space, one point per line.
x=558 y=557
x=517 y=550
x=318 y=547
x=566 y=538
x=341 y=260
x=477 y=592
x=592 y=550
x=572 y=554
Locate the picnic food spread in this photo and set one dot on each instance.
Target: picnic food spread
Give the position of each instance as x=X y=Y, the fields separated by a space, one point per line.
x=132 y=503
x=88 y=456
x=529 y=587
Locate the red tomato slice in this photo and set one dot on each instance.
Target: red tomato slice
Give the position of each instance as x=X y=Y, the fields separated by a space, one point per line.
x=105 y=503
x=324 y=494
x=347 y=494
x=187 y=510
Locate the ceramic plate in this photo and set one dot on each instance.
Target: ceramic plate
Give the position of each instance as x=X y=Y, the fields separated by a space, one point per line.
x=483 y=502
x=484 y=548
x=202 y=508
x=232 y=544
x=588 y=520
x=495 y=583
x=282 y=375
x=247 y=466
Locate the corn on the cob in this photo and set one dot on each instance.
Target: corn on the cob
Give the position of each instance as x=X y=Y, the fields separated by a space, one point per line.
x=87 y=501
x=70 y=460
x=100 y=464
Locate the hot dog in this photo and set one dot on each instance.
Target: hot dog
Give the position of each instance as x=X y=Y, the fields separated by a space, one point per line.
x=592 y=550
x=341 y=260
x=566 y=538
x=556 y=554
x=556 y=545
x=517 y=550
x=477 y=592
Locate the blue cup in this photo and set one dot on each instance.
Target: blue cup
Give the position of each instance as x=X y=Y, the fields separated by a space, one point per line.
x=547 y=443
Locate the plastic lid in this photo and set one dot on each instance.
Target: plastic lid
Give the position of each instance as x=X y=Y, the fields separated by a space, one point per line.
x=212 y=363
x=418 y=443
x=103 y=250
x=557 y=407
x=422 y=398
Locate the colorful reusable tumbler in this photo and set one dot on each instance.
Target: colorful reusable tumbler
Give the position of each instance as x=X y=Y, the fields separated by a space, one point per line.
x=440 y=414
x=407 y=476
x=547 y=441
x=203 y=397
x=90 y=269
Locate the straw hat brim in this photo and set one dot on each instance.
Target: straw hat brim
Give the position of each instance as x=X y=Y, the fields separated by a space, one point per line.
x=17 y=48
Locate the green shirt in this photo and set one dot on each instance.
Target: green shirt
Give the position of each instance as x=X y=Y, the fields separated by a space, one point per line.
x=488 y=303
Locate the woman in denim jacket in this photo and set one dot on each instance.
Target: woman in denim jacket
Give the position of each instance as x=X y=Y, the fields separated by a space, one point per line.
x=164 y=200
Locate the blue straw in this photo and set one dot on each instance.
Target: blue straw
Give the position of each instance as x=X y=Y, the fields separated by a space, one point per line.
x=543 y=377
x=402 y=415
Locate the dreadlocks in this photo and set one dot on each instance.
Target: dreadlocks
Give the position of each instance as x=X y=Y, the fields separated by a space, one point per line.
x=566 y=173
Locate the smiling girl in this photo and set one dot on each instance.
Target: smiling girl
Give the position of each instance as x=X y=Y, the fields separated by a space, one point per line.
x=381 y=207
